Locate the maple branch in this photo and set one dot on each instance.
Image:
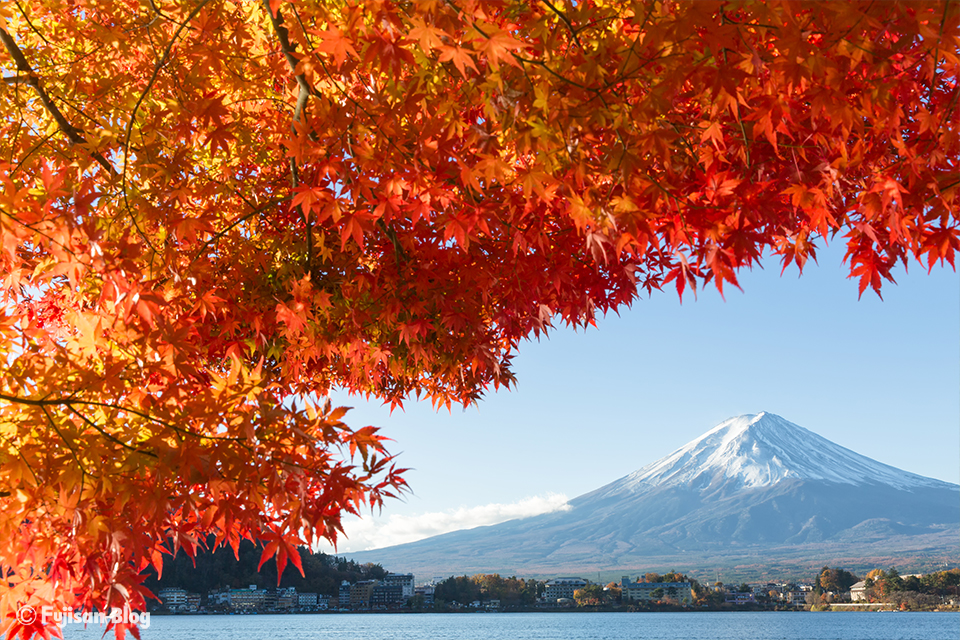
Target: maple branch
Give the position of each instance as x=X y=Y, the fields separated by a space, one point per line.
x=156 y=9
x=566 y=21
x=109 y=436
x=240 y=219
x=399 y=254
x=632 y=52
x=303 y=95
x=70 y=447
x=29 y=76
x=26 y=157
x=288 y=50
x=28 y=21
x=80 y=111
x=69 y=402
x=18 y=79
x=36 y=479
x=373 y=121
x=52 y=240
x=133 y=115
x=539 y=63
x=936 y=51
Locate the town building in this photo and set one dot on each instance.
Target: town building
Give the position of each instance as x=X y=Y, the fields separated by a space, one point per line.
x=563 y=588
x=404 y=580
x=193 y=602
x=269 y=602
x=306 y=600
x=217 y=598
x=738 y=597
x=246 y=599
x=287 y=599
x=360 y=594
x=386 y=596
x=682 y=592
x=173 y=598
x=797 y=597
x=343 y=601
x=427 y=592
x=764 y=590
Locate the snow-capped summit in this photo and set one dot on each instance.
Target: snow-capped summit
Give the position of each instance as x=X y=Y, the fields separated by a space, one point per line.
x=761 y=450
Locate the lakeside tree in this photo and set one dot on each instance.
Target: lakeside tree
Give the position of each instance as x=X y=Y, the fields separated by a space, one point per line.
x=460 y=589
x=511 y=592
x=591 y=595
x=912 y=592
x=614 y=593
x=212 y=212
x=835 y=580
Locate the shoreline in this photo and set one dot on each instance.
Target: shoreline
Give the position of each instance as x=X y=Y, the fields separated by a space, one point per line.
x=837 y=608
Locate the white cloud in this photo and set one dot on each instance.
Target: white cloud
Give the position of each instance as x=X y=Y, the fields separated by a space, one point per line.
x=374 y=533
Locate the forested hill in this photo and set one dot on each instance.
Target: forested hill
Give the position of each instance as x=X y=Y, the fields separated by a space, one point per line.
x=322 y=573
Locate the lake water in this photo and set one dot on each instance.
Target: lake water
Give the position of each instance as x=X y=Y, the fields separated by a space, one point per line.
x=552 y=626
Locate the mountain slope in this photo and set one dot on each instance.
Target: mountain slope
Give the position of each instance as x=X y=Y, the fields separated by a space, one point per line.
x=755 y=485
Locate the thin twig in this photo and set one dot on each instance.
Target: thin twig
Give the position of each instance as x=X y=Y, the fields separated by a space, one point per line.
x=136 y=107
x=109 y=436
x=238 y=220
x=70 y=447
x=567 y=22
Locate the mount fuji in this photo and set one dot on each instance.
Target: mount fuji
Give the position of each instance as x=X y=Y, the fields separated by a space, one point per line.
x=754 y=490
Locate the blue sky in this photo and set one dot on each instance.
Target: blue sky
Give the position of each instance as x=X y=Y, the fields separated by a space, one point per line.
x=879 y=377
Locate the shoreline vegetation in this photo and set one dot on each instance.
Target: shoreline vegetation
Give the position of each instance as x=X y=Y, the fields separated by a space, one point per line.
x=221 y=583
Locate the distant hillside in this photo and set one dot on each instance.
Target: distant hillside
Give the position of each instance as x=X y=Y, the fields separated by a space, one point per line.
x=322 y=573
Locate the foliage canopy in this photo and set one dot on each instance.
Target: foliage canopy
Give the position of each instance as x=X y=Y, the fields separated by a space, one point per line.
x=213 y=211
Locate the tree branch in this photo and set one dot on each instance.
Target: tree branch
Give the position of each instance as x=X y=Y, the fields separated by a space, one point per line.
x=256 y=210
x=29 y=76
x=288 y=50
x=70 y=447
x=566 y=21
x=69 y=402
x=303 y=95
x=109 y=436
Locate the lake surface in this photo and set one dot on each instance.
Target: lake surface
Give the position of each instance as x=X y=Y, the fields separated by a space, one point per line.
x=551 y=626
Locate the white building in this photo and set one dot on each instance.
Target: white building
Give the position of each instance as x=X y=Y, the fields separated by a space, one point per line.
x=251 y=598
x=797 y=597
x=173 y=598
x=858 y=592
x=563 y=588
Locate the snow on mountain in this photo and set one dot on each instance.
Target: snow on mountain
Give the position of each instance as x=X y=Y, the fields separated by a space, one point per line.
x=760 y=450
